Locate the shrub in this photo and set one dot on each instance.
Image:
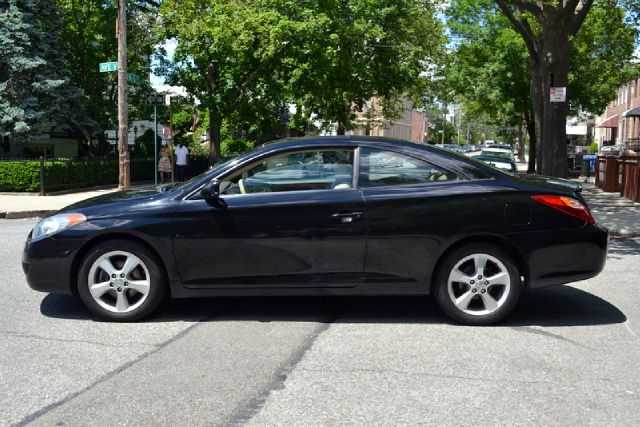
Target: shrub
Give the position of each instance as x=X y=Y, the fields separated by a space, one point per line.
x=233 y=147
x=20 y=176
x=593 y=148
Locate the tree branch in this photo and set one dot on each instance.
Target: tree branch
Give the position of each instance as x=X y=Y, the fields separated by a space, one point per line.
x=240 y=92
x=527 y=5
x=521 y=26
x=579 y=17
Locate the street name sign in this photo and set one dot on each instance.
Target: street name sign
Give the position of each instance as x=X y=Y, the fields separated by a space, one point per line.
x=558 y=94
x=133 y=78
x=154 y=98
x=105 y=67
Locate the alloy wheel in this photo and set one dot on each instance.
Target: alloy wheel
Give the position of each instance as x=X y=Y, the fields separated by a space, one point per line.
x=119 y=281
x=479 y=284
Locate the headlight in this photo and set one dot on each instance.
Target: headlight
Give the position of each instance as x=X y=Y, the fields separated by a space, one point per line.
x=56 y=223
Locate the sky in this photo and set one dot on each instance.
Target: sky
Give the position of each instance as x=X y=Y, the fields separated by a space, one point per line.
x=158 y=81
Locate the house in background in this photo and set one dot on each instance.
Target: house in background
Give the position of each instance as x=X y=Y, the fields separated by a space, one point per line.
x=50 y=142
x=620 y=122
x=411 y=125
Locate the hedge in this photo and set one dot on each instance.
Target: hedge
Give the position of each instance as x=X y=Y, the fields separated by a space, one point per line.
x=72 y=173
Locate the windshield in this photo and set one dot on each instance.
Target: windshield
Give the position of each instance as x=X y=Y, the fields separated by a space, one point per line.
x=174 y=186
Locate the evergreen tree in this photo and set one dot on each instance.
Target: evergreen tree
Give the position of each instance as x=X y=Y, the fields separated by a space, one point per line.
x=34 y=89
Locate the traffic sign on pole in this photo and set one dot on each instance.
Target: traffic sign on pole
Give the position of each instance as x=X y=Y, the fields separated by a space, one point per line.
x=155 y=99
x=105 y=67
x=133 y=78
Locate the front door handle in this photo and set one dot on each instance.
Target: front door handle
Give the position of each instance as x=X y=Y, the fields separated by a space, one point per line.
x=347 y=217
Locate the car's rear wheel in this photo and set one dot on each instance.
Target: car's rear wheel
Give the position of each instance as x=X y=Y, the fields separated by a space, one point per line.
x=121 y=280
x=478 y=284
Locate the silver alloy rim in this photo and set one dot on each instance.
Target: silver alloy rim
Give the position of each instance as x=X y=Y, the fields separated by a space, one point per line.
x=479 y=284
x=119 y=281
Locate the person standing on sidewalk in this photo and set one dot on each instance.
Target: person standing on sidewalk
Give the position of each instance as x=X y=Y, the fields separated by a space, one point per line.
x=182 y=154
x=164 y=165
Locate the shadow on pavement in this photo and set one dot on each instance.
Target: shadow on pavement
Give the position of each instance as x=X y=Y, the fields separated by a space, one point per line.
x=619 y=248
x=557 y=306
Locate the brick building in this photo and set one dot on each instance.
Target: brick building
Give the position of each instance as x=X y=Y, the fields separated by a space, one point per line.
x=620 y=123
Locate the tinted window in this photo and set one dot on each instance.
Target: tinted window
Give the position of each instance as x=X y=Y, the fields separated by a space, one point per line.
x=381 y=168
x=294 y=171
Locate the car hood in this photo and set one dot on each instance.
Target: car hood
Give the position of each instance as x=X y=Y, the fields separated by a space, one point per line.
x=551 y=182
x=104 y=204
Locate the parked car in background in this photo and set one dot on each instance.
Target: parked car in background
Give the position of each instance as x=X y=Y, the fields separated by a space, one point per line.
x=499 y=150
x=323 y=216
x=500 y=162
x=613 y=150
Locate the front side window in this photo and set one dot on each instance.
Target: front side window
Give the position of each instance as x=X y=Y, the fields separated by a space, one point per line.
x=383 y=168
x=294 y=171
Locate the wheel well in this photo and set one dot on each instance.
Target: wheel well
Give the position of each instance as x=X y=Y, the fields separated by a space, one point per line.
x=500 y=242
x=82 y=253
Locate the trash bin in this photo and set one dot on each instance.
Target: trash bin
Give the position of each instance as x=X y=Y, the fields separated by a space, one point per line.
x=589 y=164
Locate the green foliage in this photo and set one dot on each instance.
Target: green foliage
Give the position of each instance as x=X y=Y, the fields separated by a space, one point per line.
x=489 y=67
x=593 y=148
x=247 y=60
x=24 y=176
x=19 y=176
x=87 y=31
x=232 y=147
x=33 y=74
x=601 y=54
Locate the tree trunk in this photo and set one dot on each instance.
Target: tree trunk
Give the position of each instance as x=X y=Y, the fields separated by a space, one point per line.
x=215 y=136
x=520 y=142
x=341 y=129
x=535 y=119
x=555 y=54
x=531 y=130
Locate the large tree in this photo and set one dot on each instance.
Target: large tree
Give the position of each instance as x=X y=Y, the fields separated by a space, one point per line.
x=88 y=38
x=493 y=67
x=253 y=58
x=548 y=29
x=34 y=87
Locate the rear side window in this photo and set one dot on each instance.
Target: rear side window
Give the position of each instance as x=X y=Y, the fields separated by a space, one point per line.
x=386 y=168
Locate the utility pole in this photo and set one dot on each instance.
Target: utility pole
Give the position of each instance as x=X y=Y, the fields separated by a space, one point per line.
x=124 y=181
x=444 y=122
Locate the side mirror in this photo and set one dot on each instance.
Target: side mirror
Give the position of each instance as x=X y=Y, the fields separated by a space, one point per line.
x=211 y=193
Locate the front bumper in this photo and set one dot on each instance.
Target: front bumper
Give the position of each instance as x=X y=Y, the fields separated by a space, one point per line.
x=48 y=264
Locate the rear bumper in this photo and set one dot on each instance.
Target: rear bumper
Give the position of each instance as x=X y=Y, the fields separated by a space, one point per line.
x=563 y=256
x=48 y=264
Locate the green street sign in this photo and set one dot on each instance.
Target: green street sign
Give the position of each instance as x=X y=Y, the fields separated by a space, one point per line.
x=133 y=78
x=105 y=67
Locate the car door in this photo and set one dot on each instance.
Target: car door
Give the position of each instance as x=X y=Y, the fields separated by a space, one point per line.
x=413 y=207
x=292 y=219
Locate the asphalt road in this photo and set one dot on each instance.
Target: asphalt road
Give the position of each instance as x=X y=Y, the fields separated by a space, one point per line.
x=569 y=356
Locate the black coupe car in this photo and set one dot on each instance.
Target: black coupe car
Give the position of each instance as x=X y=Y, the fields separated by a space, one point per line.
x=323 y=216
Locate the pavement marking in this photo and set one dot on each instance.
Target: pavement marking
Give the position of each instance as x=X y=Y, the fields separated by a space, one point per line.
x=253 y=407
x=626 y=325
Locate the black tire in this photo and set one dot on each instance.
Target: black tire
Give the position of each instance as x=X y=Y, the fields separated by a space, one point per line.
x=142 y=288
x=478 y=295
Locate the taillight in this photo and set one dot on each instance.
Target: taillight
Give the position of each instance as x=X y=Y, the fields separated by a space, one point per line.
x=567 y=205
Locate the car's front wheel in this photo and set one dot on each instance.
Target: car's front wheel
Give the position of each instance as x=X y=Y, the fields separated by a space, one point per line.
x=121 y=280
x=478 y=284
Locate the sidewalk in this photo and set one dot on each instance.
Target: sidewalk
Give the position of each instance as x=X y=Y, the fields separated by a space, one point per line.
x=29 y=205
x=621 y=216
